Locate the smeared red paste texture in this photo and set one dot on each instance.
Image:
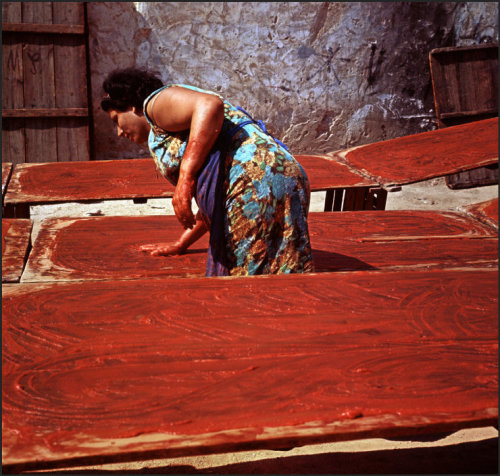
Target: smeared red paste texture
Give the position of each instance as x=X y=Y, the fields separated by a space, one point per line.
x=428 y=154
x=121 y=358
x=108 y=247
x=15 y=242
x=325 y=173
x=486 y=211
x=95 y=180
x=134 y=178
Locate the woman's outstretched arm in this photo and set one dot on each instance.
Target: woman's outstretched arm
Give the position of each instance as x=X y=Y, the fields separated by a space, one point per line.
x=178 y=109
x=190 y=236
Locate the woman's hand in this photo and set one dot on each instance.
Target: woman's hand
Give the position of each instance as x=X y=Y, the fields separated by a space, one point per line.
x=187 y=238
x=163 y=249
x=181 y=201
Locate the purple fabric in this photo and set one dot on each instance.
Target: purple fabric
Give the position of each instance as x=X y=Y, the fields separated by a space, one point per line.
x=210 y=200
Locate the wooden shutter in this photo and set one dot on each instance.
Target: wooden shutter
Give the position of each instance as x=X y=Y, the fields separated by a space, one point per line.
x=45 y=107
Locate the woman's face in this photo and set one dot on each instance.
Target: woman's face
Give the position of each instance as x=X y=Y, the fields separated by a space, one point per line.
x=131 y=124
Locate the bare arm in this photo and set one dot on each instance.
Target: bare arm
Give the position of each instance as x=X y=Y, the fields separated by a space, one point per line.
x=188 y=237
x=178 y=109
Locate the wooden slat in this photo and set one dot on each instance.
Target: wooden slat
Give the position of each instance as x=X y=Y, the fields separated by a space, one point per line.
x=81 y=181
x=37 y=12
x=68 y=13
x=71 y=86
x=47 y=29
x=141 y=369
x=46 y=112
x=39 y=92
x=425 y=155
x=13 y=140
x=103 y=248
x=13 y=135
x=15 y=243
x=11 y=12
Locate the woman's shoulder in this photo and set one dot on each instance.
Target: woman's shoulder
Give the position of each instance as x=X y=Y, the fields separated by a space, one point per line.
x=200 y=90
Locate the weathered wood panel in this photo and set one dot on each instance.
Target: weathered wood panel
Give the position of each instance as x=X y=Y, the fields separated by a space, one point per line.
x=155 y=368
x=108 y=247
x=15 y=243
x=465 y=87
x=70 y=68
x=134 y=178
x=11 y=12
x=426 y=155
x=465 y=83
x=486 y=212
x=13 y=135
x=45 y=75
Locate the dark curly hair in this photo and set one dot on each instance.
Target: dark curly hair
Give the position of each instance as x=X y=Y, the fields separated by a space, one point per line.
x=128 y=87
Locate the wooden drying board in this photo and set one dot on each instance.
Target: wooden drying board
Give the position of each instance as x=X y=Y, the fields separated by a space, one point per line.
x=15 y=243
x=327 y=174
x=86 y=181
x=101 y=248
x=137 y=178
x=426 y=155
x=486 y=212
x=132 y=370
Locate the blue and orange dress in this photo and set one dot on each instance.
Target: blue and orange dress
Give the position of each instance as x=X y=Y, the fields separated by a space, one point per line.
x=252 y=193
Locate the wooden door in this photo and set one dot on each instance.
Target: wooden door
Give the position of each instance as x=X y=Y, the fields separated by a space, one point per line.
x=45 y=106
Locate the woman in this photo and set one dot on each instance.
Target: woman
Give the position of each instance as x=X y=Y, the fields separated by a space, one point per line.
x=252 y=195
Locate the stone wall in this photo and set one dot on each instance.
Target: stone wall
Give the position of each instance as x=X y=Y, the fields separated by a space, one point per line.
x=322 y=76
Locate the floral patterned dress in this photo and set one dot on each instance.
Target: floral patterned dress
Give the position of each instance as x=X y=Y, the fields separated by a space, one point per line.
x=263 y=191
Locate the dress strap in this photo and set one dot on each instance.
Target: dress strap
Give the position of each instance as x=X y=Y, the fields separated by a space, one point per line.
x=151 y=99
x=262 y=126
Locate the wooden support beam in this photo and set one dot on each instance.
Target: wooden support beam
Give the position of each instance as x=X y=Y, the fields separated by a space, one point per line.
x=44 y=28
x=46 y=112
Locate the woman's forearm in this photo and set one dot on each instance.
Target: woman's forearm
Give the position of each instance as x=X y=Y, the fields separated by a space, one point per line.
x=191 y=235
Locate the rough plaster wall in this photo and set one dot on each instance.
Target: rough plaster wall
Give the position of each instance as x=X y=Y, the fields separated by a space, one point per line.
x=322 y=76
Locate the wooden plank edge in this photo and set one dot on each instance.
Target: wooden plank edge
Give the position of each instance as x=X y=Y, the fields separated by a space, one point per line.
x=454 y=49
x=59 y=29
x=451 y=115
x=45 y=112
x=36 y=284
x=163 y=445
